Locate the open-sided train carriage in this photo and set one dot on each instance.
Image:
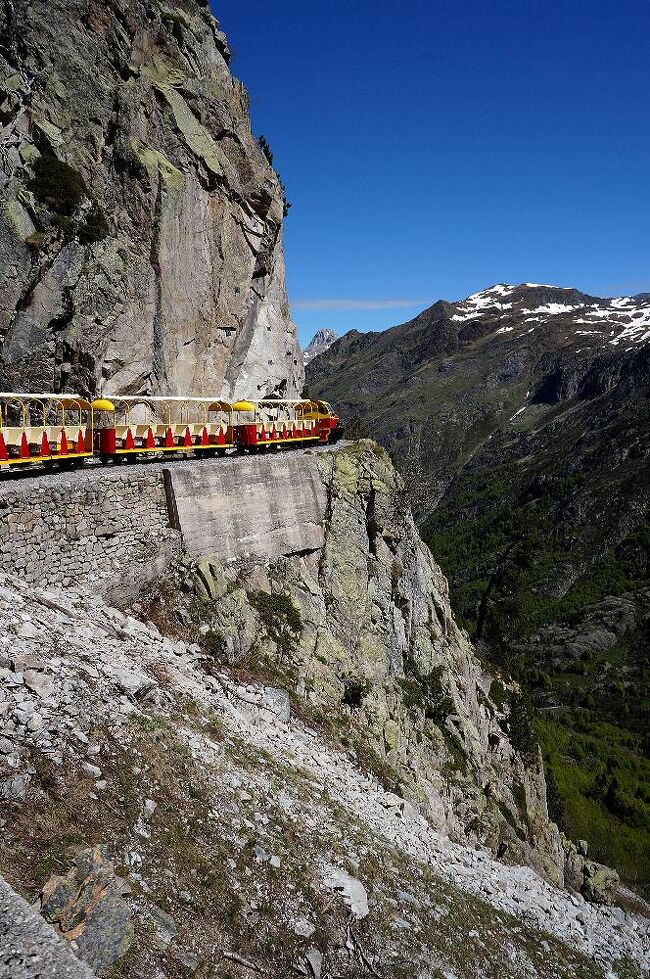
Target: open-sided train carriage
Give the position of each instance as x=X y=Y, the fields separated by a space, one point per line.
x=44 y=428
x=272 y=422
x=65 y=429
x=127 y=426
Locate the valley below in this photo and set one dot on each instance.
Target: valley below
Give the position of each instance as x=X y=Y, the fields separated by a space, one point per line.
x=520 y=420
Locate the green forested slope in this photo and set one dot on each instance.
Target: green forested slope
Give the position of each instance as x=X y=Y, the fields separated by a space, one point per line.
x=526 y=449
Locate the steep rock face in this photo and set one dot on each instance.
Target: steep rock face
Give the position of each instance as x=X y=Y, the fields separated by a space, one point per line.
x=378 y=648
x=154 y=264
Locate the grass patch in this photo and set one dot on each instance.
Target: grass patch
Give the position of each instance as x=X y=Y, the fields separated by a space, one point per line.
x=279 y=616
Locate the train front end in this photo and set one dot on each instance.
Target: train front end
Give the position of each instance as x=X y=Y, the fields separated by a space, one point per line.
x=330 y=425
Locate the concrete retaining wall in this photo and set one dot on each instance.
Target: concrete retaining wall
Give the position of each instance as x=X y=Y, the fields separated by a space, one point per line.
x=258 y=506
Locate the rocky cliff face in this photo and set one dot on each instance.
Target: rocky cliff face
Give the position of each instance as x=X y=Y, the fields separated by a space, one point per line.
x=373 y=651
x=293 y=765
x=140 y=222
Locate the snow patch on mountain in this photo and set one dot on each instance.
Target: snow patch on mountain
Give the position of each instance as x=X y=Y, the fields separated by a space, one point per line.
x=625 y=319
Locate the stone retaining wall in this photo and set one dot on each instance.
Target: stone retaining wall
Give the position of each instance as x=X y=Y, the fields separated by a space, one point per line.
x=115 y=529
x=102 y=529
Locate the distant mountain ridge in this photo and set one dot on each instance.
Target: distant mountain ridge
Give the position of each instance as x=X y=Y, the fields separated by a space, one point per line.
x=320 y=342
x=494 y=354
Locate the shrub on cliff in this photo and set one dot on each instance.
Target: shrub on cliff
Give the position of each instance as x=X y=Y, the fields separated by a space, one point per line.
x=57 y=185
x=279 y=616
x=263 y=144
x=425 y=692
x=520 y=726
x=95 y=227
x=63 y=191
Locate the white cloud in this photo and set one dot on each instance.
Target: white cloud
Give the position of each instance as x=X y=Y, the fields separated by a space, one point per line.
x=358 y=303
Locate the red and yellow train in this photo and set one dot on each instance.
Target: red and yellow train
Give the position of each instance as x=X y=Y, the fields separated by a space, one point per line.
x=66 y=429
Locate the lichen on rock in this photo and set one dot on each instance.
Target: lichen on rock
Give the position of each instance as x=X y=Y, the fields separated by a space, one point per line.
x=87 y=906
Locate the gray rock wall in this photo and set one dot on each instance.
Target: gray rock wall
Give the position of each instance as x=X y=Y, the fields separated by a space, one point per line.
x=182 y=290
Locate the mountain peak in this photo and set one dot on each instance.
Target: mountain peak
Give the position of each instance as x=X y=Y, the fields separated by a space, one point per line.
x=321 y=341
x=605 y=321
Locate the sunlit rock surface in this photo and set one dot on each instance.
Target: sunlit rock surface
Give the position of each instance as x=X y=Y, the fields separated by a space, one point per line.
x=156 y=264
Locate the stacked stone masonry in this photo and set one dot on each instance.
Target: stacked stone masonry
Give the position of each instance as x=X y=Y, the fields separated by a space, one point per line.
x=95 y=528
x=115 y=529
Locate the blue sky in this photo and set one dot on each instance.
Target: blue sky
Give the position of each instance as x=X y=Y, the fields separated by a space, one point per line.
x=431 y=149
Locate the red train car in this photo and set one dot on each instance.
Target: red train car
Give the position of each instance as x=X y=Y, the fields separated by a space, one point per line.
x=66 y=429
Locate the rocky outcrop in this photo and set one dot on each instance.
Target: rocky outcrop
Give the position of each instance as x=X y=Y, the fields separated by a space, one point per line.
x=140 y=222
x=597 y=883
x=376 y=646
x=29 y=947
x=87 y=907
x=308 y=565
x=313 y=562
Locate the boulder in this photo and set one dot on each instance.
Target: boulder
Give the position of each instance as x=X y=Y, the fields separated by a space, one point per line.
x=87 y=907
x=209 y=581
x=596 y=882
